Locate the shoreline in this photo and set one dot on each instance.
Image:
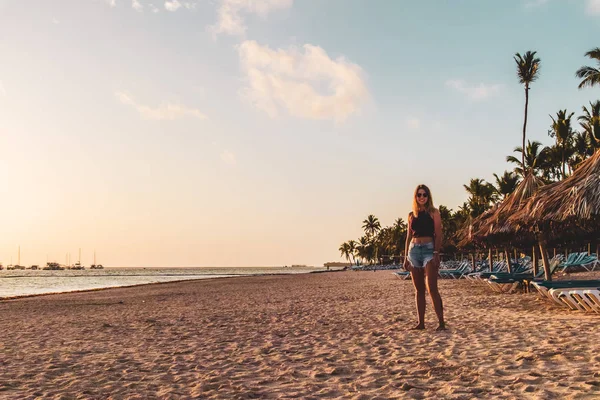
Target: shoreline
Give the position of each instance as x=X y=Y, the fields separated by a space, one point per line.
x=216 y=276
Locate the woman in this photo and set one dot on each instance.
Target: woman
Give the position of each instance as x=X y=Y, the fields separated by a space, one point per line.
x=423 y=243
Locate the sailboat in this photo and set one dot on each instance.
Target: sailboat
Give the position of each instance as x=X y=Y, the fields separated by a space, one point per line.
x=78 y=263
x=18 y=266
x=94 y=265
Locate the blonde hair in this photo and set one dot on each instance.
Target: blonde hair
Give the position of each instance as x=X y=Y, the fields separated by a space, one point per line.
x=428 y=206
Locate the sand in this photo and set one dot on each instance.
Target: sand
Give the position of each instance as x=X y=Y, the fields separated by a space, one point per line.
x=327 y=335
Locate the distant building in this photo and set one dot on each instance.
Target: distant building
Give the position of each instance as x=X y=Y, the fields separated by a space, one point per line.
x=337 y=264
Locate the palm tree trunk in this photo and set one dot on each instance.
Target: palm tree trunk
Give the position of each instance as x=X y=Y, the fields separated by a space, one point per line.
x=525 y=126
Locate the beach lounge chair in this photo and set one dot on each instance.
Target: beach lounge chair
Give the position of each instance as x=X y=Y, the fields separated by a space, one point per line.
x=499 y=266
x=402 y=274
x=544 y=287
x=508 y=283
x=582 y=299
x=455 y=273
x=594 y=296
x=580 y=260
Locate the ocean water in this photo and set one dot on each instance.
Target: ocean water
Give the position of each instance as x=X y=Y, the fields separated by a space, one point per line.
x=17 y=283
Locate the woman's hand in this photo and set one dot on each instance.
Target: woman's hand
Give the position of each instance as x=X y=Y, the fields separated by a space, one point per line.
x=407 y=265
x=437 y=260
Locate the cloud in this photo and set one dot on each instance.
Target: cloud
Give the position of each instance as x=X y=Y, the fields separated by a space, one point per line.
x=413 y=123
x=228 y=157
x=481 y=91
x=172 y=5
x=305 y=82
x=55 y=21
x=153 y=8
x=137 y=6
x=2 y=90
x=112 y=3
x=230 y=14
x=166 y=111
x=593 y=7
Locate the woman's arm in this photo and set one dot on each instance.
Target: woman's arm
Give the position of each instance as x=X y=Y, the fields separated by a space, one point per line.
x=408 y=239
x=437 y=227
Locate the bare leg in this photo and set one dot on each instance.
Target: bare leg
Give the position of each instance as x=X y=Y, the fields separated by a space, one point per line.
x=431 y=272
x=418 y=278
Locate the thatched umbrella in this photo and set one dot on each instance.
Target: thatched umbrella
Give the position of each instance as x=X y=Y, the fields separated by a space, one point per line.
x=571 y=205
x=491 y=227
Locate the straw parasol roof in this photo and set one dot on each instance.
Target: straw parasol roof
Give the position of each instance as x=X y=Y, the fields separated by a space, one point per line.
x=492 y=226
x=571 y=205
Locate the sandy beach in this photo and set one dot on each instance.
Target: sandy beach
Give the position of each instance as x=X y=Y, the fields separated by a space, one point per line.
x=326 y=335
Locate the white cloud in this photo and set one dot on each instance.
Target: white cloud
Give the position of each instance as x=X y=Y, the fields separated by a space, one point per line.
x=228 y=157
x=303 y=81
x=413 y=123
x=166 y=111
x=112 y=3
x=230 y=14
x=481 y=91
x=55 y=21
x=593 y=7
x=2 y=90
x=153 y=8
x=172 y=5
x=137 y=6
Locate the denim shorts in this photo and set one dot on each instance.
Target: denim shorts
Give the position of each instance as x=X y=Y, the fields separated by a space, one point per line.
x=419 y=254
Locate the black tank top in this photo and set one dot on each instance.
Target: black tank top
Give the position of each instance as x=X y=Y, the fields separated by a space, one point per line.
x=422 y=226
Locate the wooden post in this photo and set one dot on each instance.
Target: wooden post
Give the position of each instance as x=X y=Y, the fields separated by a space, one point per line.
x=473 y=261
x=490 y=260
x=542 y=243
x=555 y=252
x=508 y=261
x=534 y=260
x=589 y=248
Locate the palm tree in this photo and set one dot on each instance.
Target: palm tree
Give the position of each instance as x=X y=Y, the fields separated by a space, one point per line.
x=352 y=249
x=590 y=76
x=563 y=133
x=532 y=157
x=582 y=147
x=481 y=196
x=550 y=163
x=371 y=225
x=364 y=249
x=528 y=68
x=590 y=121
x=506 y=183
x=345 y=250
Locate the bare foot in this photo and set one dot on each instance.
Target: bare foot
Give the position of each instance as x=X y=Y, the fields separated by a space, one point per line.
x=418 y=327
x=442 y=327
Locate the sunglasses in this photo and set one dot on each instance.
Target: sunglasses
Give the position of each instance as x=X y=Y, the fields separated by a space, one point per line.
x=422 y=195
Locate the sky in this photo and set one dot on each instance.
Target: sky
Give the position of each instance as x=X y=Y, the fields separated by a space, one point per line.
x=261 y=132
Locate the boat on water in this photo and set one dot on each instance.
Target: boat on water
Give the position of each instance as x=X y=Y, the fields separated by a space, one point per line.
x=94 y=265
x=18 y=265
x=77 y=265
x=33 y=267
x=53 y=266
